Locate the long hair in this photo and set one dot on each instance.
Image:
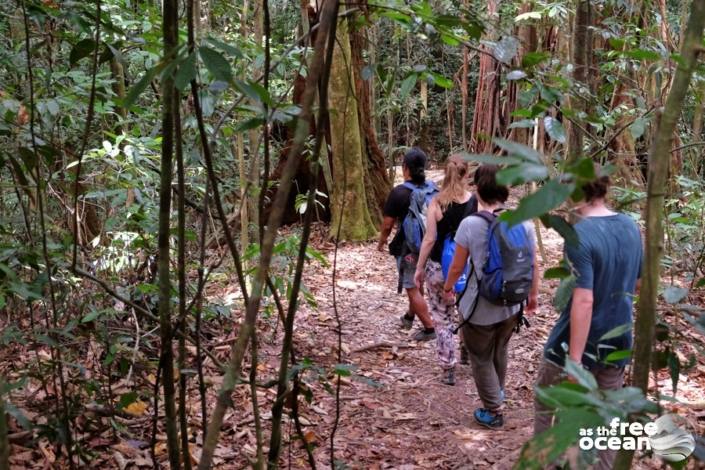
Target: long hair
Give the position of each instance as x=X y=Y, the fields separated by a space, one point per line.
x=455 y=182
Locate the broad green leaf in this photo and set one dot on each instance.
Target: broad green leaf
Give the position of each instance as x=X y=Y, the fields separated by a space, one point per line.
x=616 y=332
x=139 y=87
x=186 y=72
x=532 y=59
x=82 y=49
x=620 y=355
x=555 y=129
x=674 y=294
x=216 y=64
x=548 y=197
x=407 y=85
x=583 y=376
x=344 y=370
x=521 y=173
x=560 y=225
x=441 y=81
x=515 y=149
x=516 y=75
x=583 y=169
x=642 y=54
x=491 y=159
x=558 y=272
x=529 y=15
x=638 y=127
x=522 y=124
x=506 y=49
x=254 y=91
x=225 y=47
x=564 y=293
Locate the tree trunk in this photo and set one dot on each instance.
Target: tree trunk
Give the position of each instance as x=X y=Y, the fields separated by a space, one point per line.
x=580 y=60
x=485 y=121
x=659 y=159
x=349 y=198
x=4 y=444
x=170 y=37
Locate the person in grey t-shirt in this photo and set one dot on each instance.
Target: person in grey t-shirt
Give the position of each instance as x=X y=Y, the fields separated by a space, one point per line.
x=487 y=327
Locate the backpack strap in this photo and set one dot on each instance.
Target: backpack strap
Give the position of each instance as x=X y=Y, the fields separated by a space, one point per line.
x=410 y=185
x=487 y=216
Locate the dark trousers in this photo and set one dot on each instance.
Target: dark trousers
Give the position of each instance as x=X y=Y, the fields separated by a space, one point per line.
x=608 y=378
x=487 y=348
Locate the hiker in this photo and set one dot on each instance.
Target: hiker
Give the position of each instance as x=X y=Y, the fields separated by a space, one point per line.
x=607 y=263
x=492 y=311
x=396 y=209
x=452 y=204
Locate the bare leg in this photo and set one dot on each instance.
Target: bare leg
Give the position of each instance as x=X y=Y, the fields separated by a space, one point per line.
x=418 y=307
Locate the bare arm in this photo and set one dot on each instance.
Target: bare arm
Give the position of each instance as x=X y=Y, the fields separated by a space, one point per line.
x=387 y=225
x=434 y=214
x=534 y=294
x=580 y=318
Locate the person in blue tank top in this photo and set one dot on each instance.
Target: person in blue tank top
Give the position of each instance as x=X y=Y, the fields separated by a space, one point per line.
x=606 y=263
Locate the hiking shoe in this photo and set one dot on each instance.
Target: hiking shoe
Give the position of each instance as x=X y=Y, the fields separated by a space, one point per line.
x=464 y=356
x=488 y=418
x=448 y=377
x=423 y=335
x=406 y=321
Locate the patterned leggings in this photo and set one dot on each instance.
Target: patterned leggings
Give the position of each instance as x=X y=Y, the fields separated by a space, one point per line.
x=443 y=315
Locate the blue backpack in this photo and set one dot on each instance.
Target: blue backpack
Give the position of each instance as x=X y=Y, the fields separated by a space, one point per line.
x=448 y=251
x=508 y=271
x=414 y=224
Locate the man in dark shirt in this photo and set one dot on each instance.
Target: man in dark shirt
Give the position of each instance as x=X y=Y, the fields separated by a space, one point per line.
x=606 y=263
x=395 y=209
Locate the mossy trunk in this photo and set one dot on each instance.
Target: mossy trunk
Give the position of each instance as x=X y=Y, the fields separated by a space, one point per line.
x=349 y=199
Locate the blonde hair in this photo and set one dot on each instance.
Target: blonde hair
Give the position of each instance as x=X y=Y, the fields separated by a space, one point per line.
x=455 y=182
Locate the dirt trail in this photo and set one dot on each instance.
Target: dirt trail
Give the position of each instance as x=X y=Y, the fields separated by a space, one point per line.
x=410 y=419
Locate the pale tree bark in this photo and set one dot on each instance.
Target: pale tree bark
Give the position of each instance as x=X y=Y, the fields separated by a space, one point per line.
x=349 y=198
x=580 y=59
x=659 y=159
x=4 y=444
x=485 y=123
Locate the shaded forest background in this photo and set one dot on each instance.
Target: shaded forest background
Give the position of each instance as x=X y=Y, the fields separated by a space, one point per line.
x=152 y=151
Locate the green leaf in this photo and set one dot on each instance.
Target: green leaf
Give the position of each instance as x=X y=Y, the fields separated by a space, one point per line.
x=558 y=272
x=216 y=64
x=344 y=370
x=516 y=149
x=254 y=91
x=407 y=85
x=522 y=173
x=523 y=124
x=225 y=47
x=82 y=49
x=529 y=15
x=532 y=59
x=560 y=225
x=186 y=72
x=583 y=376
x=583 y=169
x=548 y=197
x=674 y=294
x=555 y=129
x=620 y=355
x=616 y=332
x=491 y=159
x=516 y=75
x=139 y=87
x=126 y=399
x=642 y=54
x=441 y=81
x=564 y=293
x=638 y=127
x=506 y=49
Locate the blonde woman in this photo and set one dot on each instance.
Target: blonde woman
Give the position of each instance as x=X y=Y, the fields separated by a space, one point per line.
x=446 y=211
